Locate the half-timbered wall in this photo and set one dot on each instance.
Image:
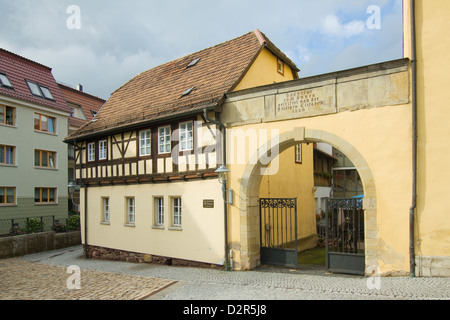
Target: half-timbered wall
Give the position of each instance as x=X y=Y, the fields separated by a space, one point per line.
x=128 y=157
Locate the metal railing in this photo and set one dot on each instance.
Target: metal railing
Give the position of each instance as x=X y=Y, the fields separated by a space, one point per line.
x=28 y=225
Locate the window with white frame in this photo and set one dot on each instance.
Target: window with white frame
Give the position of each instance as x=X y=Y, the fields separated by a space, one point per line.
x=176 y=211
x=105 y=204
x=91 y=151
x=144 y=143
x=186 y=136
x=159 y=211
x=102 y=150
x=164 y=139
x=130 y=210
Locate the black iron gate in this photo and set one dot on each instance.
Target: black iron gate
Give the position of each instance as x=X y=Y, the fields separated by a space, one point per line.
x=345 y=236
x=278 y=221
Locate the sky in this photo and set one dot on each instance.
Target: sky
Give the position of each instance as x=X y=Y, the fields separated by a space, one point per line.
x=103 y=44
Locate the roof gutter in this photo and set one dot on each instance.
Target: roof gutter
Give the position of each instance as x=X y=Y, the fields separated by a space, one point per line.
x=224 y=162
x=414 y=142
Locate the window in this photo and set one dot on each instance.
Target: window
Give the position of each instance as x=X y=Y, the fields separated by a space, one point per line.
x=186 y=136
x=103 y=150
x=159 y=211
x=7 y=155
x=176 y=212
x=44 y=123
x=130 y=210
x=7 y=196
x=7 y=115
x=91 y=151
x=39 y=90
x=44 y=159
x=164 y=139
x=46 y=92
x=105 y=203
x=144 y=143
x=76 y=111
x=280 y=67
x=4 y=81
x=298 y=153
x=45 y=195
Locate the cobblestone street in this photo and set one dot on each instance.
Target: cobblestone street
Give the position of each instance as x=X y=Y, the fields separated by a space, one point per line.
x=44 y=276
x=24 y=280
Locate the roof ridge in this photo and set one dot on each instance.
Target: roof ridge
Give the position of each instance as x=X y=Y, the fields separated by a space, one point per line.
x=15 y=55
x=192 y=54
x=260 y=36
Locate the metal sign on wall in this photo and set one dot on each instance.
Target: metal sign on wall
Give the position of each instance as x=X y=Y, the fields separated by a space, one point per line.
x=208 y=203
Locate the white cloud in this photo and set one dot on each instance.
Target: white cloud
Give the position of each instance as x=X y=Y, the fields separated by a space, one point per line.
x=332 y=26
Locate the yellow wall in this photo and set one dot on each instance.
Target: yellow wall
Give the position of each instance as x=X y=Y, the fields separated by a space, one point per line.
x=201 y=237
x=433 y=46
x=294 y=180
x=264 y=71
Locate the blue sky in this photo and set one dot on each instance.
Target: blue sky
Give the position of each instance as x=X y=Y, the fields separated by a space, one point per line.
x=120 y=39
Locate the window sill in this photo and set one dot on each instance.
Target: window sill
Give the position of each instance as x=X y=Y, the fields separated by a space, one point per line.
x=45 y=168
x=158 y=227
x=176 y=228
x=132 y=225
x=106 y=223
x=46 y=204
x=8 y=165
x=8 y=125
x=45 y=132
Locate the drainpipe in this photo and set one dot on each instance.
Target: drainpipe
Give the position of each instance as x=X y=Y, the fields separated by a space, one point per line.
x=85 y=220
x=224 y=161
x=414 y=141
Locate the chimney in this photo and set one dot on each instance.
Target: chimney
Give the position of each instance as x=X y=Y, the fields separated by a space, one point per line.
x=80 y=87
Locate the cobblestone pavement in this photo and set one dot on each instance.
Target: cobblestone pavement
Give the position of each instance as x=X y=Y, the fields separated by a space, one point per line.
x=37 y=276
x=24 y=280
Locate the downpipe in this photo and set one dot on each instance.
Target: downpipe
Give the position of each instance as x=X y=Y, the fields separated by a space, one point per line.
x=412 y=264
x=225 y=206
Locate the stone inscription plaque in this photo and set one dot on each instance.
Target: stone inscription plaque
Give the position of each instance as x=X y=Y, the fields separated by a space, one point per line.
x=304 y=103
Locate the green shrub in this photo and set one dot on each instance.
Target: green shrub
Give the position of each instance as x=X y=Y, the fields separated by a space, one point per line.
x=35 y=225
x=73 y=223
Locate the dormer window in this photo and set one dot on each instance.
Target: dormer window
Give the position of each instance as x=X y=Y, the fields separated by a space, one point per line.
x=4 y=81
x=39 y=90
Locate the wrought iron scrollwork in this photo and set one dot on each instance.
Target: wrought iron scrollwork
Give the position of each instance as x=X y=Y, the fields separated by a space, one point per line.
x=277 y=203
x=346 y=204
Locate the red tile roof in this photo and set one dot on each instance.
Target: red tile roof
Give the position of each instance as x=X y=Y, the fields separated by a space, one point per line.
x=157 y=93
x=18 y=69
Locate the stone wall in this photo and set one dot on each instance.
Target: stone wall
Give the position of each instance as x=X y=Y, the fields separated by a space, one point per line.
x=15 y=246
x=94 y=252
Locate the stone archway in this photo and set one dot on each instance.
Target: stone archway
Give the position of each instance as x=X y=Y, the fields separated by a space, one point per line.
x=249 y=194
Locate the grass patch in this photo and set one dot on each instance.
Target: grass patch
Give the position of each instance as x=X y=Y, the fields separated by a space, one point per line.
x=315 y=256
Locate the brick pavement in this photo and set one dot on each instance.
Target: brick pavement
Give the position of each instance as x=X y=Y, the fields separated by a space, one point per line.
x=24 y=280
